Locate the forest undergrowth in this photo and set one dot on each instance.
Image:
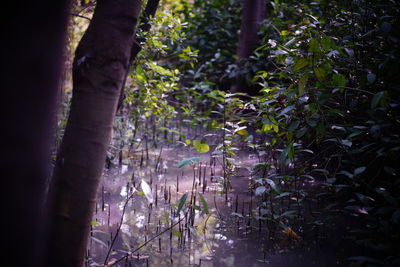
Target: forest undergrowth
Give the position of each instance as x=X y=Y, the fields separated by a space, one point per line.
x=320 y=108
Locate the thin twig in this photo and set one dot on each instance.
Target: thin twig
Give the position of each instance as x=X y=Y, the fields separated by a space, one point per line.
x=118 y=230
x=81 y=16
x=148 y=241
x=353 y=89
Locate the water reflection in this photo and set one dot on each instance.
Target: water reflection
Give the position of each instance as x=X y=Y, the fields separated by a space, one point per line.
x=201 y=240
x=145 y=236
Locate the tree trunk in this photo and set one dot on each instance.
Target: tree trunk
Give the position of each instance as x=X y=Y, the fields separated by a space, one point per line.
x=33 y=40
x=145 y=26
x=100 y=66
x=252 y=17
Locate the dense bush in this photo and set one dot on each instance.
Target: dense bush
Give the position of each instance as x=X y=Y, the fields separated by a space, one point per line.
x=328 y=101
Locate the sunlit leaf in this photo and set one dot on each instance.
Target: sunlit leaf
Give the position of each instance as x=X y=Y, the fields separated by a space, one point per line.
x=241 y=130
x=260 y=190
x=201 y=147
x=147 y=191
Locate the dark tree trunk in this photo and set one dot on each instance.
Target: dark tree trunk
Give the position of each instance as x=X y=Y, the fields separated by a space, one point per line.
x=252 y=16
x=33 y=37
x=145 y=26
x=148 y=13
x=100 y=66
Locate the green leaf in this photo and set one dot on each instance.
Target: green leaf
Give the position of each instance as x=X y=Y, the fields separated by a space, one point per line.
x=285 y=110
x=379 y=98
x=312 y=123
x=94 y=223
x=195 y=207
x=327 y=43
x=241 y=130
x=140 y=74
x=237 y=214
x=301 y=63
x=187 y=161
x=314 y=46
x=181 y=203
x=176 y=233
x=293 y=126
x=200 y=147
x=339 y=80
x=302 y=83
x=204 y=204
x=159 y=69
x=320 y=73
x=283 y=156
x=300 y=133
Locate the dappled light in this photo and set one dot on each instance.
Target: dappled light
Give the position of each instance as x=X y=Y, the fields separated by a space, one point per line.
x=204 y=133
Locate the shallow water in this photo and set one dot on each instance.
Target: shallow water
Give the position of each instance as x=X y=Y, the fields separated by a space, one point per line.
x=144 y=233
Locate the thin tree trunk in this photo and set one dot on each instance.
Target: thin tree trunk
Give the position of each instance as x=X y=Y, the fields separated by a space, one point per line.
x=148 y=13
x=33 y=39
x=252 y=17
x=99 y=69
x=145 y=26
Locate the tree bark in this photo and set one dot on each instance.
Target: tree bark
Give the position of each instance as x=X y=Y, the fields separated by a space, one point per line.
x=33 y=40
x=145 y=26
x=99 y=69
x=252 y=17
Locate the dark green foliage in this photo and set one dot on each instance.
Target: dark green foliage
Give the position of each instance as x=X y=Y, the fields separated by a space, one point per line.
x=329 y=77
x=212 y=29
x=328 y=103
